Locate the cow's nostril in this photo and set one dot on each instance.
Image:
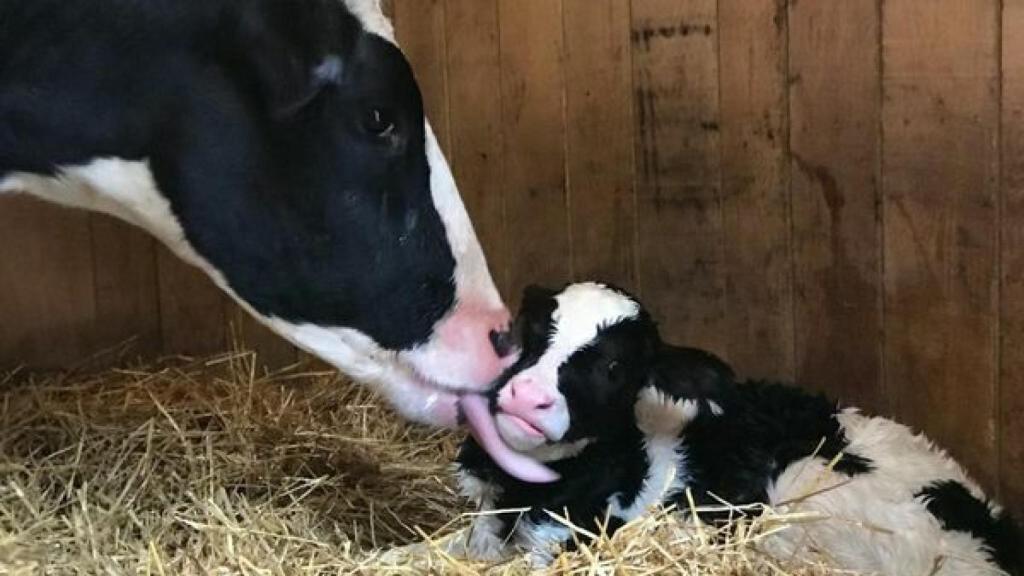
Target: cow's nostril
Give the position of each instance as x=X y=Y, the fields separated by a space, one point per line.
x=502 y=342
x=545 y=405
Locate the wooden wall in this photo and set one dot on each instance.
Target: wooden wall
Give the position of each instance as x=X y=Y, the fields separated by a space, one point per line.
x=828 y=190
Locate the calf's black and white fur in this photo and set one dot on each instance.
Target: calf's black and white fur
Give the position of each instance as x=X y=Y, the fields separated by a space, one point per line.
x=630 y=422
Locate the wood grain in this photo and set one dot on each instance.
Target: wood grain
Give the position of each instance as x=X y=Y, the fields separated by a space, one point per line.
x=755 y=186
x=474 y=88
x=675 y=69
x=192 y=309
x=1011 y=388
x=47 y=303
x=247 y=333
x=941 y=169
x=533 y=130
x=421 y=32
x=599 y=132
x=835 y=165
x=127 y=301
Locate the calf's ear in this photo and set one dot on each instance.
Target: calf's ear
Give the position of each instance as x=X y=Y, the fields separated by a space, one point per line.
x=682 y=384
x=534 y=296
x=535 y=311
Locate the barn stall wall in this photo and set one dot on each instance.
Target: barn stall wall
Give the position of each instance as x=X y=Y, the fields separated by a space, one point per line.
x=831 y=191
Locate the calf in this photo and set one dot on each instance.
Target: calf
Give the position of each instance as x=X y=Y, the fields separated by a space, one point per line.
x=630 y=422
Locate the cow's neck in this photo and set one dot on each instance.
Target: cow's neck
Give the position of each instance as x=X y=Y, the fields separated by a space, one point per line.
x=121 y=188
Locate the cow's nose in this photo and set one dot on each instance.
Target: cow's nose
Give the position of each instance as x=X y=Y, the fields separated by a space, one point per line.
x=502 y=342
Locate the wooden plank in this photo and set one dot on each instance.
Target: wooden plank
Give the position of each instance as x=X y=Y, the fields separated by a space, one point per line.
x=755 y=186
x=247 y=333
x=941 y=170
x=420 y=31
x=599 y=132
x=127 y=300
x=675 y=66
x=533 y=123
x=836 y=147
x=47 y=305
x=192 y=309
x=474 y=88
x=1011 y=388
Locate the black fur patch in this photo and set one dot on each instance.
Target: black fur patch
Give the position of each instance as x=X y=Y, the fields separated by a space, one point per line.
x=763 y=430
x=276 y=171
x=852 y=465
x=959 y=511
x=588 y=481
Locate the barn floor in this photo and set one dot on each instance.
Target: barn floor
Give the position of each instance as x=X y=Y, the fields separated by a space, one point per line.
x=197 y=467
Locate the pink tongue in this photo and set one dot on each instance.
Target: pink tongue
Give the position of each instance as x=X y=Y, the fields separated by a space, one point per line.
x=481 y=425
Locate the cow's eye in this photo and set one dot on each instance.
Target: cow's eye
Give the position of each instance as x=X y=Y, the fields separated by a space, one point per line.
x=378 y=122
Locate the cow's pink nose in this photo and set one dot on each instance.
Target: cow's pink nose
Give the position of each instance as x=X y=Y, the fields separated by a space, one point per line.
x=525 y=396
x=465 y=352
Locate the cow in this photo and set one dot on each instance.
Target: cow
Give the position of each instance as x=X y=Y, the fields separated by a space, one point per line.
x=281 y=147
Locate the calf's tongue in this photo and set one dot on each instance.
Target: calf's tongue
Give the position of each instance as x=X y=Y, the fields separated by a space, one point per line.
x=482 y=426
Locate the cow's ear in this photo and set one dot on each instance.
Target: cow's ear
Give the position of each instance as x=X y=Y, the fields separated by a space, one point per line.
x=282 y=58
x=681 y=385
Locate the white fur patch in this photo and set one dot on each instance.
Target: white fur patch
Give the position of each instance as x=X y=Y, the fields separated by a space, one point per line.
x=583 y=309
x=658 y=414
x=472 y=277
x=666 y=477
x=484 y=541
x=559 y=451
x=121 y=188
x=542 y=542
x=481 y=493
x=370 y=15
x=875 y=523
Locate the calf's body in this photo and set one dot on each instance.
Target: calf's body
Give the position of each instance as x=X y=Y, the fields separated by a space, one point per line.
x=891 y=502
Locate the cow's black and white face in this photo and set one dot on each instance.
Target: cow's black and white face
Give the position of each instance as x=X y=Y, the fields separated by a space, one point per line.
x=354 y=241
x=586 y=352
x=282 y=147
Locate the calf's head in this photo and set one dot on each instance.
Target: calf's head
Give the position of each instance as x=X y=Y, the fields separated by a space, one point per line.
x=592 y=367
x=585 y=354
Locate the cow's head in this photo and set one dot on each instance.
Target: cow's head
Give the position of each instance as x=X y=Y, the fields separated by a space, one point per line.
x=317 y=195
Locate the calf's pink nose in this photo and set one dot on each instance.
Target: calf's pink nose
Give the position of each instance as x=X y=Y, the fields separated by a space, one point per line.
x=524 y=396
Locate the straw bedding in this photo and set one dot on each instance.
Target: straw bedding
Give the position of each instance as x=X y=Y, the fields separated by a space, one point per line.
x=214 y=467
